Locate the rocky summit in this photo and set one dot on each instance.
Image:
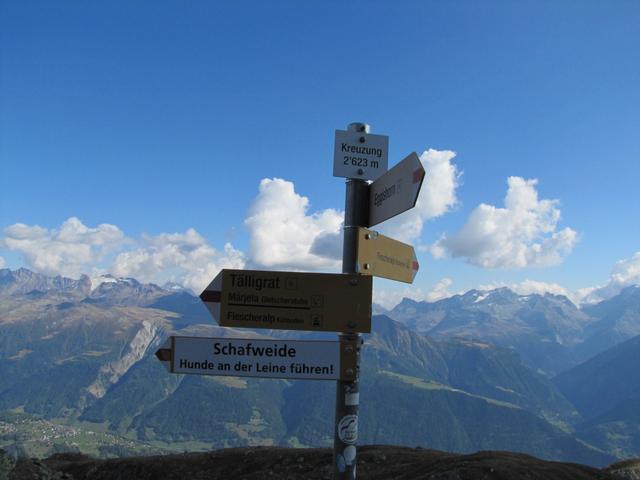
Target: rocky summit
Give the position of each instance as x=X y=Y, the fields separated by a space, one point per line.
x=254 y=463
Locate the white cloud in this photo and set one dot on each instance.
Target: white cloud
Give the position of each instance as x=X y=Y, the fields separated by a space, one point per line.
x=624 y=273
x=437 y=196
x=438 y=192
x=440 y=290
x=75 y=249
x=389 y=298
x=522 y=234
x=284 y=235
x=185 y=258
x=70 y=250
x=530 y=287
x=2 y=262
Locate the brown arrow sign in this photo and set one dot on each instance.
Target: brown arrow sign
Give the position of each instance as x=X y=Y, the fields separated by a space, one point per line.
x=396 y=191
x=385 y=257
x=330 y=302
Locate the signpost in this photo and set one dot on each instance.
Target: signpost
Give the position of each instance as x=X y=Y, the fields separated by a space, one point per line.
x=396 y=191
x=316 y=301
x=329 y=302
x=359 y=154
x=385 y=257
x=241 y=357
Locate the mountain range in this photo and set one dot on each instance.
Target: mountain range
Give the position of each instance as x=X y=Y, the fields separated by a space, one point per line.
x=549 y=332
x=479 y=371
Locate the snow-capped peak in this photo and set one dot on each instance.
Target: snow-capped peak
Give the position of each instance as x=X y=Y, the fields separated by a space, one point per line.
x=108 y=278
x=481 y=296
x=174 y=287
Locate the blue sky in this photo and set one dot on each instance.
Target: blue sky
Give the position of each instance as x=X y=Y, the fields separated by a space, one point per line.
x=160 y=120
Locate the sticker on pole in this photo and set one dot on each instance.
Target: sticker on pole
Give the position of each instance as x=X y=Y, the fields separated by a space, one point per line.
x=360 y=155
x=348 y=429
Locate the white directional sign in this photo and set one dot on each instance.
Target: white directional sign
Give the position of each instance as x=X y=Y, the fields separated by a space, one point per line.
x=396 y=191
x=360 y=155
x=330 y=302
x=291 y=359
x=385 y=257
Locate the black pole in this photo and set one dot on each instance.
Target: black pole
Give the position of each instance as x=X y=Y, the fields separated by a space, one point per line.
x=356 y=213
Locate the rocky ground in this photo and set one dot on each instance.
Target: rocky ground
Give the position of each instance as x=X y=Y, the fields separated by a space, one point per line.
x=253 y=463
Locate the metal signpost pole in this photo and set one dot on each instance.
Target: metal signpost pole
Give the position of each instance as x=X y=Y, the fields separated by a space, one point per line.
x=356 y=214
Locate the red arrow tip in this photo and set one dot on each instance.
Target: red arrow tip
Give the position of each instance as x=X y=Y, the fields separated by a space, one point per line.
x=418 y=175
x=416 y=266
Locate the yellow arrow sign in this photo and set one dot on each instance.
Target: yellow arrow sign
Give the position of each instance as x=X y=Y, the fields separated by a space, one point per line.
x=385 y=257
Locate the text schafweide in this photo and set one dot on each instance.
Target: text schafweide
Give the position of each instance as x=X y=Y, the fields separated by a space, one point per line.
x=250 y=350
